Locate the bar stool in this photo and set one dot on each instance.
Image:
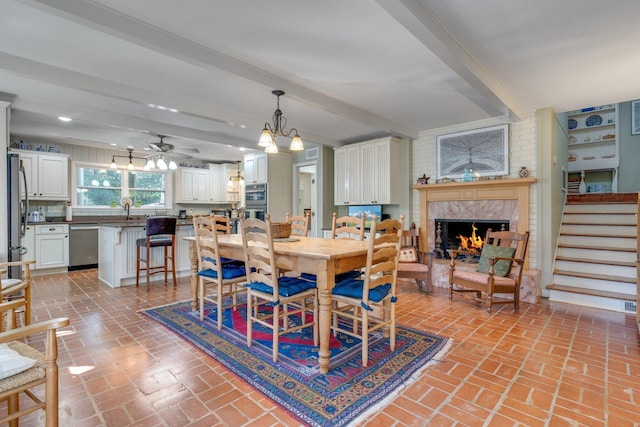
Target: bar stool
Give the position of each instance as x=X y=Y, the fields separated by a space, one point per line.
x=161 y=232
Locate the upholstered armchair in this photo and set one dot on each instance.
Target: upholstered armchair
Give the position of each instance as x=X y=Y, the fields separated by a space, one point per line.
x=499 y=270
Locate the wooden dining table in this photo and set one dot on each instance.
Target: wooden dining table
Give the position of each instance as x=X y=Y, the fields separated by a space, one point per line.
x=314 y=255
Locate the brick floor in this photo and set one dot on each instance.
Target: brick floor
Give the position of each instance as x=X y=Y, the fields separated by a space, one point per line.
x=551 y=364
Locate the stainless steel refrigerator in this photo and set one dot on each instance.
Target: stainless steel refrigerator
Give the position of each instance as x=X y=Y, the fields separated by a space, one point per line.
x=17 y=212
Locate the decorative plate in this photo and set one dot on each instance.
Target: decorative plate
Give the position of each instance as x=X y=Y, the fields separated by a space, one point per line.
x=593 y=120
x=573 y=124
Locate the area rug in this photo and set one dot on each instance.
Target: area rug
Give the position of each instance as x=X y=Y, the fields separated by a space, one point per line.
x=347 y=393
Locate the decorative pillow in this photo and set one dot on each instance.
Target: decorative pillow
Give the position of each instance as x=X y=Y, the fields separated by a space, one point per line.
x=408 y=255
x=500 y=268
x=12 y=362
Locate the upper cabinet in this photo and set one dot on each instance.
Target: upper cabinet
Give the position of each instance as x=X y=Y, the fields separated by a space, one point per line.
x=594 y=143
x=255 y=168
x=363 y=173
x=47 y=175
x=193 y=185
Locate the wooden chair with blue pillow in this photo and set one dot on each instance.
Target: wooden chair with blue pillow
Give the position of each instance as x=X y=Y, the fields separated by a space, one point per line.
x=268 y=293
x=356 y=299
x=499 y=270
x=224 y=275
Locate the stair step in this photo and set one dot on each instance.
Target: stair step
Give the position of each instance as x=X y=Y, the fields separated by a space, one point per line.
x=598 y=293
x=597 y=242
x=596 y=276
x=597 y=254
x=599 y=248
x=595 y=218
x=602 y=236
x=597 y=261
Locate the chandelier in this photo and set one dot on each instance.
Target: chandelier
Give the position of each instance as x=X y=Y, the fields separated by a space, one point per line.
x=269 y=133
x=130 y=165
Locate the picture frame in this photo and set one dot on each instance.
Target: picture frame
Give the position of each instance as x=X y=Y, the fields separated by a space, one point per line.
x=485 y=151
x=635 y=117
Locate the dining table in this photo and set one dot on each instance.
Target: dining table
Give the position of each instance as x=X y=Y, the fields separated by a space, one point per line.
x=314 y=255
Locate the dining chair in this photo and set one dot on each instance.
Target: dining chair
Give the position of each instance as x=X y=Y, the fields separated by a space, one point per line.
x=414 y=263
x=223 y=276
x=23 y=367
x=499 y=270
x=161 y=232
x=299 y=224
x=268 y=294
x=348 y=227
x=356 y=299
x=13 y=288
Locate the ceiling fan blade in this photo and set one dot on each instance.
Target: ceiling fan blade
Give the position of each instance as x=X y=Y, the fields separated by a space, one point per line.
x=186 y=150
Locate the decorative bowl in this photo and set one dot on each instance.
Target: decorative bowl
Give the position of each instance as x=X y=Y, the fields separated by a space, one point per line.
x=593 y=120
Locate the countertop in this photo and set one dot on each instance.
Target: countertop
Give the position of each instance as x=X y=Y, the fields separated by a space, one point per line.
x=109 y=221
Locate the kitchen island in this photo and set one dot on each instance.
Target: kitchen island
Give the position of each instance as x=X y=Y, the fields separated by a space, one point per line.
x=117 y=251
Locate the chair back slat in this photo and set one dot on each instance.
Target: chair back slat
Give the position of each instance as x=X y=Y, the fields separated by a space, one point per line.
x=207 y=244
x=299 y=224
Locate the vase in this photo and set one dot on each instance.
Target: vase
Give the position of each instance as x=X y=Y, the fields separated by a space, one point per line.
x=467 y=176
x=582 y=188
x=523 y=172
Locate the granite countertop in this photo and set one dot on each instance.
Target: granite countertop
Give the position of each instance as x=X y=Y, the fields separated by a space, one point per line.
x=110 y=221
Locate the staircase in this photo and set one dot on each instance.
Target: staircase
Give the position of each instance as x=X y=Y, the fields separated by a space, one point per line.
x=595 y=261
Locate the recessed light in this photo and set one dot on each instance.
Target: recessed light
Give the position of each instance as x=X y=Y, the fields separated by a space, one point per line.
x=243 y=149
x=64 y=119
x=113 y=144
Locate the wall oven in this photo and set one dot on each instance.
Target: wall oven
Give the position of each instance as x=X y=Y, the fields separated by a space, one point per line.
x=255 y=196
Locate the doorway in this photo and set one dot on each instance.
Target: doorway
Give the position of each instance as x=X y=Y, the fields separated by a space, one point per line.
x=305 y=197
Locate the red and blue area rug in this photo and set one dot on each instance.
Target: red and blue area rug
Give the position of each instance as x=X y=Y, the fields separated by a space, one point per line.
x=347 y=393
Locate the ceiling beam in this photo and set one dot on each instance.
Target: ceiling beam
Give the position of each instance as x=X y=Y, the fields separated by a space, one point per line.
x=117 y=24
x=481 y=87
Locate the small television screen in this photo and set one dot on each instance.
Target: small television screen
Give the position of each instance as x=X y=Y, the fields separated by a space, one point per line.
x=368 y=210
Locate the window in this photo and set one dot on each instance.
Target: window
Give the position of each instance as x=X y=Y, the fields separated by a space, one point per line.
x=98 y=186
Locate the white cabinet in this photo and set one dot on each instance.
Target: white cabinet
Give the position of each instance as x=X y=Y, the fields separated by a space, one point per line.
x=219 y=178
x=51 y=246
x=347 y=175
x=193 y=185
x=363 y=173
x=29 y=243
x=117 y=254
x=255 y=168
x=593 y=147
x=47 y=175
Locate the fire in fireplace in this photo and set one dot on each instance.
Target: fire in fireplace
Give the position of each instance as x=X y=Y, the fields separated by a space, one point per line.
x=465 y=234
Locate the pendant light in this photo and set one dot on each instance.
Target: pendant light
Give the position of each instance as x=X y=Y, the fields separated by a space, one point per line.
x=270 y=132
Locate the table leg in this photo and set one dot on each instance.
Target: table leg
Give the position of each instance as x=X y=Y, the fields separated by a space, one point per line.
x=325 y=281
x=193 y=256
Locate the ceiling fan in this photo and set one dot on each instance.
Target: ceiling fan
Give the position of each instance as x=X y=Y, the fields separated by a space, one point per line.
x=162 y=147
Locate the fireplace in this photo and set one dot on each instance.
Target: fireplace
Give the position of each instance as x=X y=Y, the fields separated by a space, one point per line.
x=467 y=233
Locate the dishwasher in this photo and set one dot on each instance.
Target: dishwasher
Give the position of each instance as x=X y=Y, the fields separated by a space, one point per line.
x=83 y=246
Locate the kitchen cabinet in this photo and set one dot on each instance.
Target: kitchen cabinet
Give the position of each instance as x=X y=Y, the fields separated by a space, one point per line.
x=256 y=168
x=117 y=253
x=47 y=175
x=363 y=173
x=193 y=185
x=29 y=243
x=594 y=147
x=219 y=178
x=51 y=246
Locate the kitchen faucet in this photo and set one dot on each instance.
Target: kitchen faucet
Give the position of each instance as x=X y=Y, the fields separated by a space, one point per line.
x=126 y=207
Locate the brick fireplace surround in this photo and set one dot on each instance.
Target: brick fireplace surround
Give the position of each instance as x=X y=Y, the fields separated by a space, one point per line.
x=492 y=199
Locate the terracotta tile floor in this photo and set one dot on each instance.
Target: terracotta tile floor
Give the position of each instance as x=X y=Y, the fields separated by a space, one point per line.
x=550 y=365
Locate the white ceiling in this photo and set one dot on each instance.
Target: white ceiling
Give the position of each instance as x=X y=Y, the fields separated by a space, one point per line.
x=352 y=70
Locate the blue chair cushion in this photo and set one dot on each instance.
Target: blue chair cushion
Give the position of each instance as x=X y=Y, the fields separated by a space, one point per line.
x=228 y=272
x=287 y=286
x=353 y=288
x=224 y=261
x=353 y=274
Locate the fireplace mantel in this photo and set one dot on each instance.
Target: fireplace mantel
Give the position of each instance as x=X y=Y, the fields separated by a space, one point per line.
x=499 y=189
